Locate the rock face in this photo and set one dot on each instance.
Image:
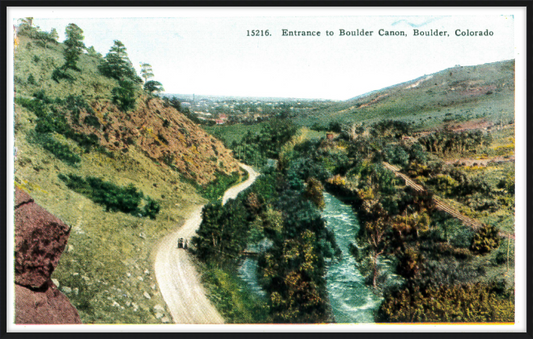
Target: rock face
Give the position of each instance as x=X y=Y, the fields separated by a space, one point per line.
x=40 y=238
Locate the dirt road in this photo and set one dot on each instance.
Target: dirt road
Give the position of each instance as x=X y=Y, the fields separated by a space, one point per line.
x=177 y=276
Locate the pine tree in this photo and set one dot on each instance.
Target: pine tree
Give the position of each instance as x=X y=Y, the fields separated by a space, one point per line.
x=146 y=71
x=117 y=65
x=74 y=46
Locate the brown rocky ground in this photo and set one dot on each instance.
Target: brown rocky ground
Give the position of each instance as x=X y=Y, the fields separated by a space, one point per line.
x=163 y=134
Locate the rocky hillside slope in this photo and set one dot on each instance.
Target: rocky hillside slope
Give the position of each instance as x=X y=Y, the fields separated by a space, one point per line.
x=72 y=128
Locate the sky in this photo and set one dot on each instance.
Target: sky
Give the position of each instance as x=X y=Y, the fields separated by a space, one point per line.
x=208 y=52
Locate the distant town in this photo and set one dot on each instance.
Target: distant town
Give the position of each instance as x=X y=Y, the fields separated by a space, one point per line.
x=217 y=110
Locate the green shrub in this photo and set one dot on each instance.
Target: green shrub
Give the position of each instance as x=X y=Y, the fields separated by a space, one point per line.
x=457 y=303
x=113 y=197
x=485 y=240
x=31 y=79
x=59 y=150
x=59 y=74
x=215 y=189
x=124 y=95
x=151 y=208
x=92 y=121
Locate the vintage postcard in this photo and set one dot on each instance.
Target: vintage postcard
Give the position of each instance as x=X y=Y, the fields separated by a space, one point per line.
x=289 y=169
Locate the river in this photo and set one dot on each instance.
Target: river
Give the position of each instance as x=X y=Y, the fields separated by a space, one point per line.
x=351 y=300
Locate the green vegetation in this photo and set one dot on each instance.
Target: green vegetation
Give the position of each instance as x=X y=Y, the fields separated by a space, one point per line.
x=113 y=197
x=153 y=86
x=447 y=142
x=235 y=302
x=469 y=303
x=215 y=189
x=452 y=96
x=146 y=71
x=74 y=46
x=52 y=117
x=106 y=270
x=117 y=65
x=428 y=248
x=233 y=133
x=124 y=96
x=58 y=149
x=281 y=209
x=255 y=149
x=401 y=232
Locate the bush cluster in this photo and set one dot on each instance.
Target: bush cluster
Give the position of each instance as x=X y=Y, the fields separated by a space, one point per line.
x=113 y=197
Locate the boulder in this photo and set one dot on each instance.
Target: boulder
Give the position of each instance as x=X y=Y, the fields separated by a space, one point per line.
x=44 y=306
x=40 y=239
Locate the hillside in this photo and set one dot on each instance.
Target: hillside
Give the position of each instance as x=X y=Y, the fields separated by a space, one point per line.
x=484 y=92
x=150 y=162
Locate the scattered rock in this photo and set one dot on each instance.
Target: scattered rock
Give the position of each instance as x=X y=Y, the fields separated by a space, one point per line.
x=146 y=295
x=159 y=308
x=56 y=282
x=66 y=289
x=159 y=315
x=165 y=320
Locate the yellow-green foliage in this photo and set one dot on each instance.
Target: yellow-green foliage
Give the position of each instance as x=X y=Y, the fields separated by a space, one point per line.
x=458 y=303
x=231 y=297
x=88 y=82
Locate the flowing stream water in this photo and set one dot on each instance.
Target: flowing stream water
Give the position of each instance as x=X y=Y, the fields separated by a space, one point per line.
x=351 y=300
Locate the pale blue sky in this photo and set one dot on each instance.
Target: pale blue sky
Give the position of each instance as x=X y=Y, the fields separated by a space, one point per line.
x=192 y=51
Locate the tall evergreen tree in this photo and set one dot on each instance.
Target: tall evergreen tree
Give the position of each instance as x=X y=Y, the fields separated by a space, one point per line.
x=74 y=46
x=146 y=71
x=117 y=65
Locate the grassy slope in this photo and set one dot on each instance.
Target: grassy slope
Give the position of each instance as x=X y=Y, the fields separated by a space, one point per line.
x=483 y=91
x=107 y=269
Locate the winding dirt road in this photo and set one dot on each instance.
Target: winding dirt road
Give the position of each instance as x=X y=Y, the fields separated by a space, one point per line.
x=177 y=276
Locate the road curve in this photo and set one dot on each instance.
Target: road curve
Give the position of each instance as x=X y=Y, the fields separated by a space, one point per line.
x=177 y=276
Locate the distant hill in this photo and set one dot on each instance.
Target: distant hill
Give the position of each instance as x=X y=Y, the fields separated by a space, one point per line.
x=455 y=94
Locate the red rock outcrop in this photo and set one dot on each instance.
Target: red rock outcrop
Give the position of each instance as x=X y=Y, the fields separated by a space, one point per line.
x=40 y=238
